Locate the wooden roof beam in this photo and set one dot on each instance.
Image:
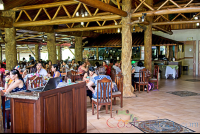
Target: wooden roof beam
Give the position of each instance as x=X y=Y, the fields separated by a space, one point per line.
x=163 y=30
x=104 y=6
x=175 y=22
x=48 y=5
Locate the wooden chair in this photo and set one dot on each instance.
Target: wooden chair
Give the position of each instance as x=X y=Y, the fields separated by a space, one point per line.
x=143 y=79
x=119 y=83
x=74 y=75
x=105 y=86
x=35 y=82
x=113 y=74
x=154 y=79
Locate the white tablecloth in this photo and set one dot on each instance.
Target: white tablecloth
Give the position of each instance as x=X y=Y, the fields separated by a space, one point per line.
x=169 y=70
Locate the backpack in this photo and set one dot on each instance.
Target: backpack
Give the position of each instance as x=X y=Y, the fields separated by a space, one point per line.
x=150 y=86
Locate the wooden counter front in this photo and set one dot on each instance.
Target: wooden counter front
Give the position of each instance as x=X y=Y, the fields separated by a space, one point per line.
x=61 y=110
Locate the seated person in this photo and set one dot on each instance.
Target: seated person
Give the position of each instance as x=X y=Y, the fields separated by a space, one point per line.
x=97 y=65
x=88 y=77
x=83 y=68
x=101 y=75
x=136 y=70
x=87 y=62
x=39 y=71
x=115 y=66
x=108 y=71
x=65 y=66
x=16 y=85
x=56 y=71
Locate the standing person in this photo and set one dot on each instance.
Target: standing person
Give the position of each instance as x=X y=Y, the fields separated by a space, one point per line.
x=109 y=68
x=2 y=70
x=31 y=58
x=105 y=65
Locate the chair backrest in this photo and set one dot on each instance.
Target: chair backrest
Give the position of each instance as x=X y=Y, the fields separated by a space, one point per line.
x=35 y=82
x=119 y=81
x=1 y=79
x=113 y=74
x=143 y=75
x=156 y=71
x=104 y=87
x=97 y=71
x=73 y=75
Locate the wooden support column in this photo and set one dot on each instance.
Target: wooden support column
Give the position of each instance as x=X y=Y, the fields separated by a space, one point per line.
x=176 y=52
x=37 y=52
x=18 y=55
x=59 y=52
x=10 y=45
x=126 y=50
x=148 y=41
x=78 y=49
x=51 y=47
x=97 y=51
x=167 y=52
x=170 y=53
x=0 y=53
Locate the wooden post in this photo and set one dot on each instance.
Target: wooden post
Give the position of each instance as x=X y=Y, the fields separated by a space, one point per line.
x=59 y=52
x=78 y=49
x=37 y=52
x=127 y=50
x=18 y=55
x=170 y=53
x=51 y=47
x=10 y=45
x=176 y=52
x=167 y=52
x=97 y=51
x=148 y=41
x=0 y=53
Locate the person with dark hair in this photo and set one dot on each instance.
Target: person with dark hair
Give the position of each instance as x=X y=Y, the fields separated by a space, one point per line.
x=83 y=68
x=115 y=66
x=31 y=58
x=65 y=66
x=97 y=65
x=101 y=75
x=17 y=84
x=88 y=77
x=136 y=70
x=108 y=72
x=56 y=71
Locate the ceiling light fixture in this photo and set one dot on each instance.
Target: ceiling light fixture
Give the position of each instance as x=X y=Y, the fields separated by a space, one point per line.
x=197 y=24
x=143 y=16
x=118 y=30
x=1 y=5
x=134 y=29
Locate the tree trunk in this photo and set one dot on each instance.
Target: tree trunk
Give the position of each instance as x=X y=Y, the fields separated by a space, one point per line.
x=37 y=52
x=127 y=50
x=10 y=45
x=148 y=41
x=78 y=49
x=59 y=53
x=51 y=46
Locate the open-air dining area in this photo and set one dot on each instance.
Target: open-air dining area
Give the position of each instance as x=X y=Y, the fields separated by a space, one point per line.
x=100 y=66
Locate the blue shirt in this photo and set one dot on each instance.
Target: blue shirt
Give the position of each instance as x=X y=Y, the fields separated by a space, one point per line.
x=59 y=76
x=94 y=80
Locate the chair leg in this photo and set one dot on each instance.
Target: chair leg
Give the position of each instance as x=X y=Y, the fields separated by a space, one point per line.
x=111 y=111
x=143 y=88
x=92 y=108
x=106 y=109
x=135 y=87
x=139 y=88
x=121 y=101
x=157 y=84
x=97 y=111
x=147 y=88
x=114 y=101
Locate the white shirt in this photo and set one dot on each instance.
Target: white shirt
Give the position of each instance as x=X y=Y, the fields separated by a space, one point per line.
x=137 y=70
x=118 y=70
x=43 y=72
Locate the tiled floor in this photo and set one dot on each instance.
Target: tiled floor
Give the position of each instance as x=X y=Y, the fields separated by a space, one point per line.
x=152 y=105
